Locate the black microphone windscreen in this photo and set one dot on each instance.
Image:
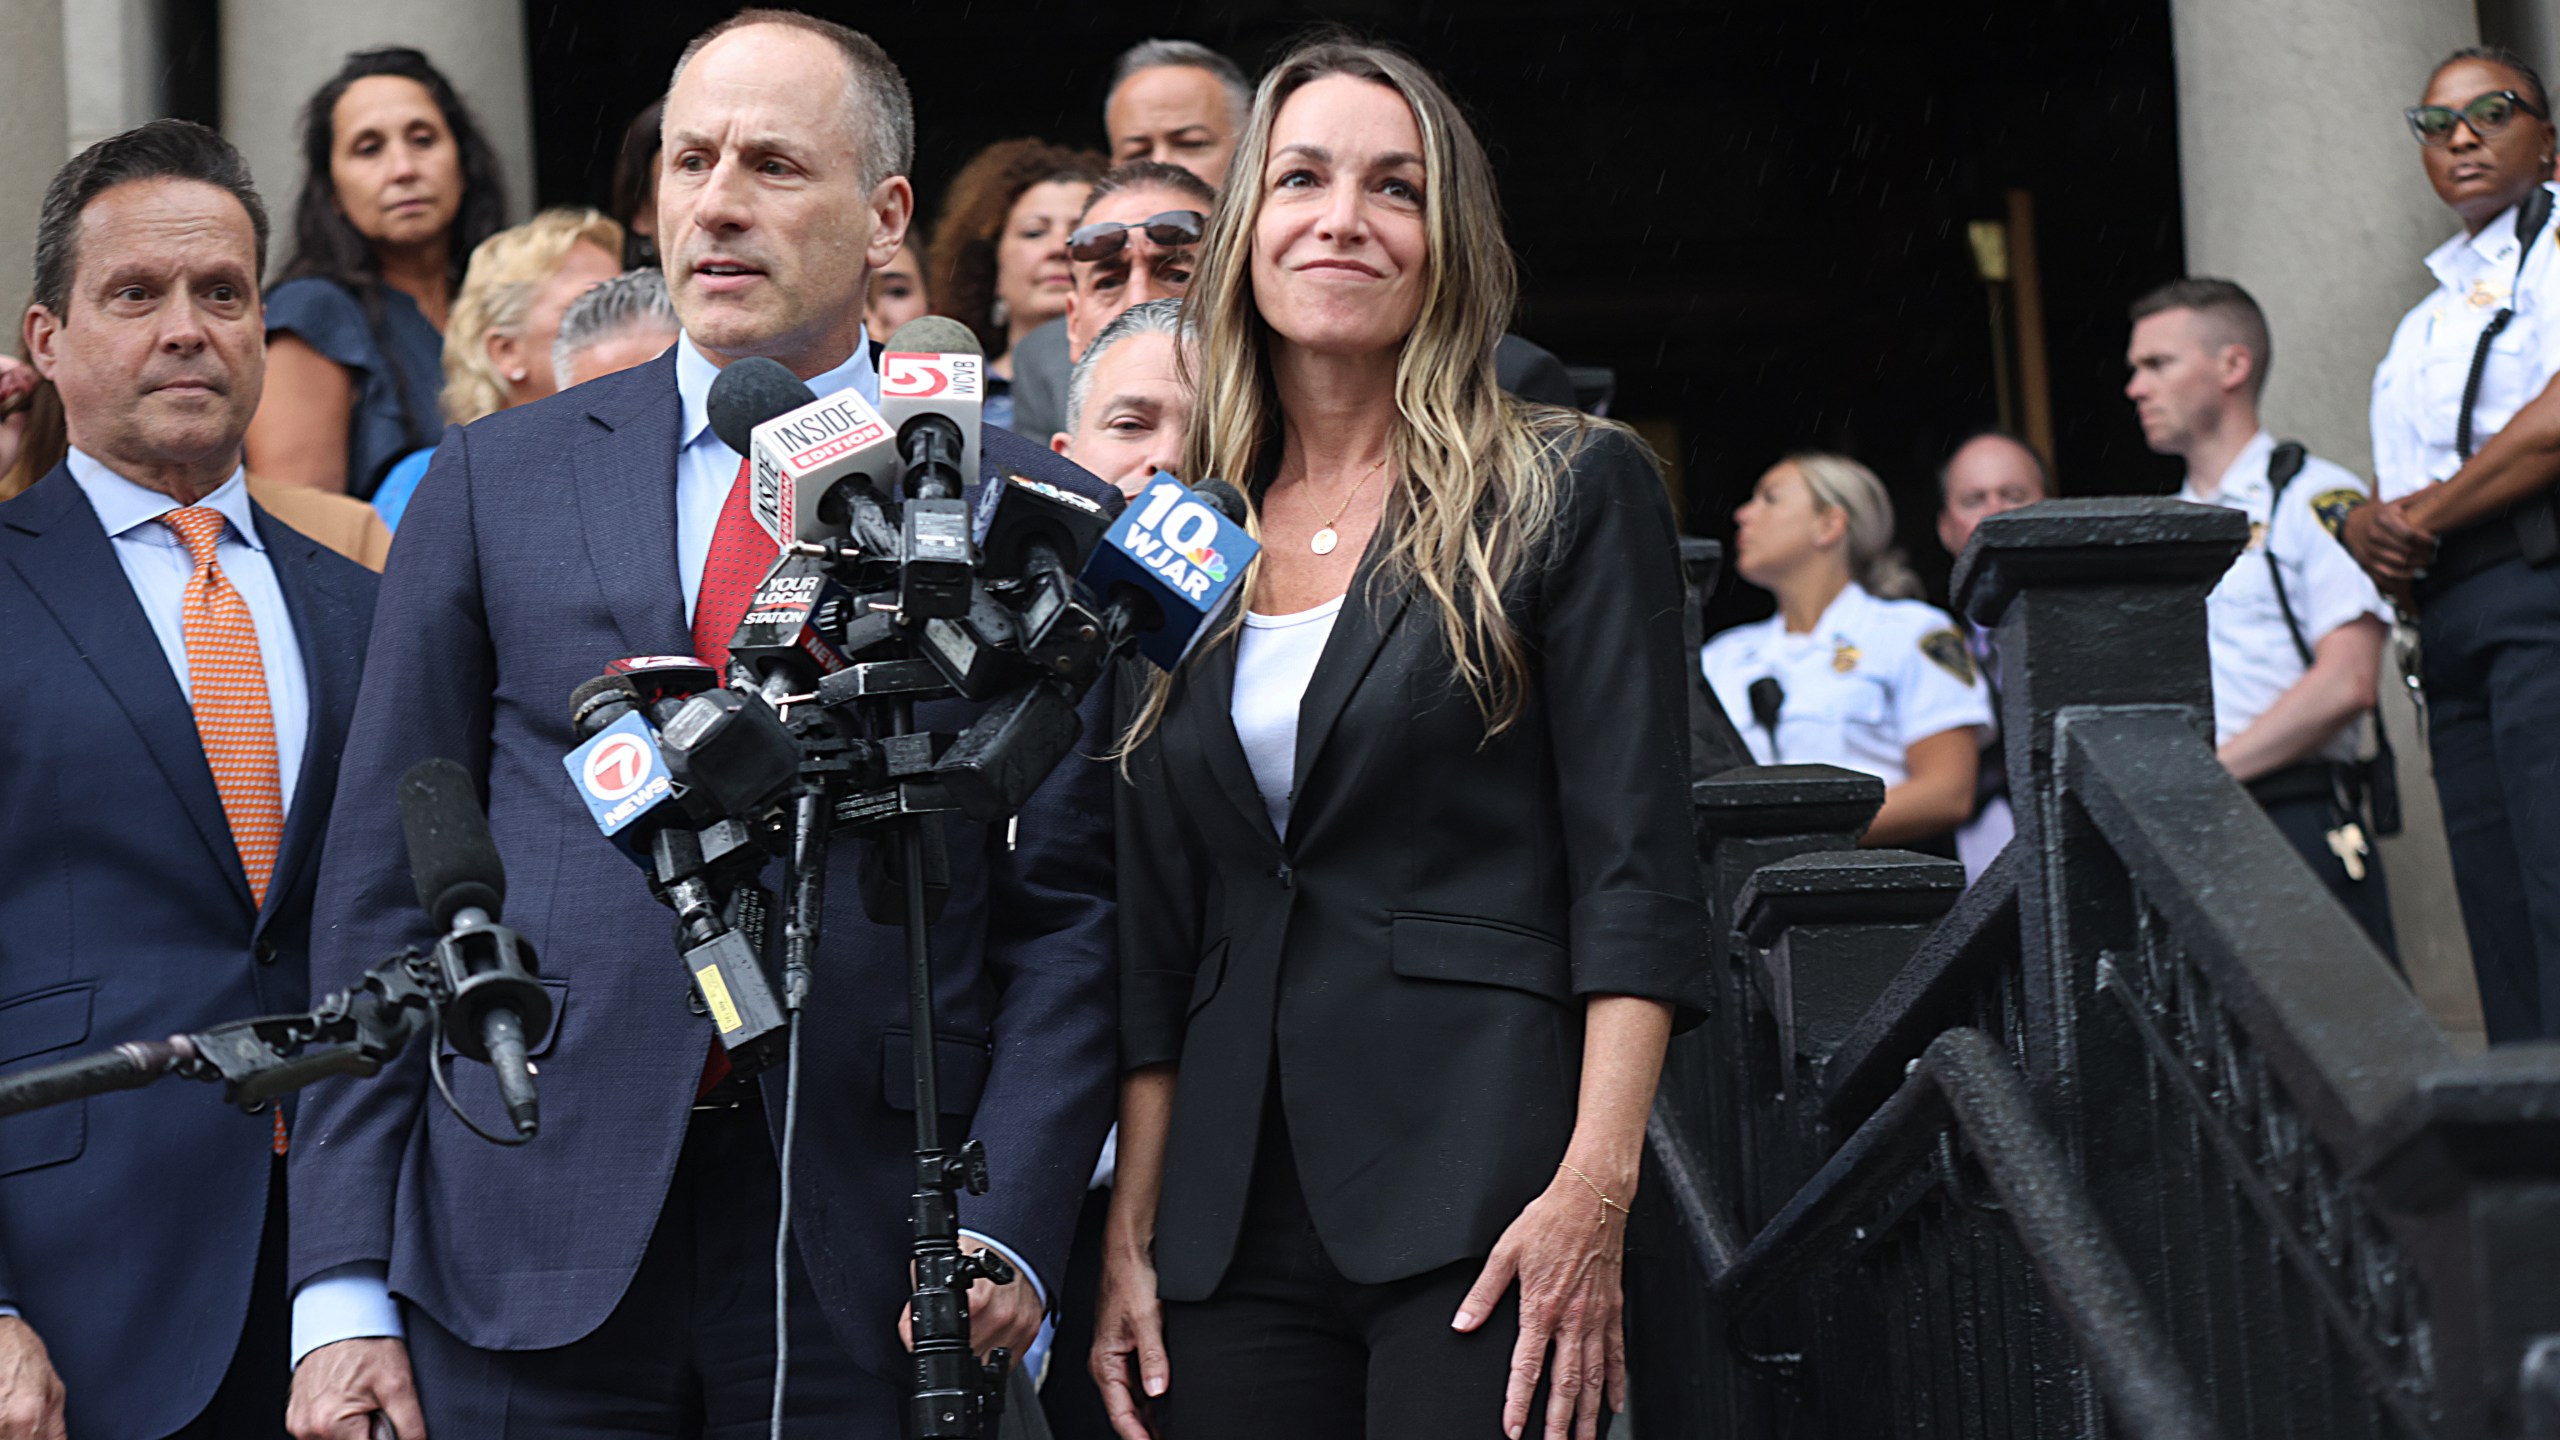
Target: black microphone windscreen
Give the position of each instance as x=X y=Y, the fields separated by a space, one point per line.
x=451 y=855
x=748 y=393
x=1768 y=697
x=935 y=334
x=1224 y=498
x=584 y=700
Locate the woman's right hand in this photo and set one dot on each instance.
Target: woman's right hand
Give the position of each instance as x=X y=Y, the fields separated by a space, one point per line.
x=1128 y=1332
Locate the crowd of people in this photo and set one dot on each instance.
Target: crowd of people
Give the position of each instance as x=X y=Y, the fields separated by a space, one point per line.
x=1311 y=1014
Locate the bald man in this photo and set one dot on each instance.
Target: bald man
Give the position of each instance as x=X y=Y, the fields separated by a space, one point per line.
x=1992 y=472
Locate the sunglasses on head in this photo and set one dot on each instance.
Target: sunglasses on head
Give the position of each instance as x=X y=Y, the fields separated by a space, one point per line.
x=2488 y=115
x=1171 y=229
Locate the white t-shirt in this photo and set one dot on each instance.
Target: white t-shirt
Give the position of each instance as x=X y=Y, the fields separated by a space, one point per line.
x=2253 y=656
x=1871 y=677
x=1275 y=658
x=2417 y=390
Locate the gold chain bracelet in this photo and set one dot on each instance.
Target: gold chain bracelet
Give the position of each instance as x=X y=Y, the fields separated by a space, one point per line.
x=1606 y=1204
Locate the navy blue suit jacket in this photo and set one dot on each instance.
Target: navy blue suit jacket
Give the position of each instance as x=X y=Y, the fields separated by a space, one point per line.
x=541 y=545
x=129 y=1223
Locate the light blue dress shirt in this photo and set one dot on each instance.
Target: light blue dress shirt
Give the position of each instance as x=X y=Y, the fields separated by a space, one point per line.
x=353 y=1302
x=156 y=563
x=706 y=468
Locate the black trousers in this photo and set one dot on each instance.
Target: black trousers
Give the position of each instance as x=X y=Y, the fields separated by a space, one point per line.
x=1288 y=1349
x=2307 y=823
x=249 y=1404
x=2492 y=670
x=688 y=1354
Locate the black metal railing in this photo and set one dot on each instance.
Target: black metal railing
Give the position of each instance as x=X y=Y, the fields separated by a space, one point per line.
x=2137 y=1136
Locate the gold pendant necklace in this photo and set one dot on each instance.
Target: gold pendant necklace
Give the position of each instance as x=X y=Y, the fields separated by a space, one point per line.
x=1323 y=541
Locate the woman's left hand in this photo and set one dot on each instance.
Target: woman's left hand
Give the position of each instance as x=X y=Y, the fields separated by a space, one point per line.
x=1567 y=1251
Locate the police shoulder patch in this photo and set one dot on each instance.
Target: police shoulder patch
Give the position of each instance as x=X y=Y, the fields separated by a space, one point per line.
x=2332 y=507
x=1947 y=650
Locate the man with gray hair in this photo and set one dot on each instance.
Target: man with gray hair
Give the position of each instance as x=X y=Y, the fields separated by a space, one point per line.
x=628 y=320
x=1179 y=102
x=1127 y=406
x=619 y=1276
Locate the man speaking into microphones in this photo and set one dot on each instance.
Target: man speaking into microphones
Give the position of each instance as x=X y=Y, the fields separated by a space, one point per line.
x=624 y=1266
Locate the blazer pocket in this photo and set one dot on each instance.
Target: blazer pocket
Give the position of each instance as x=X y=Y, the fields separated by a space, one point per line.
x=32 y=1025
x=960 y=1072
x=1481 y=952
x=540 y=1045
x=1206 y=980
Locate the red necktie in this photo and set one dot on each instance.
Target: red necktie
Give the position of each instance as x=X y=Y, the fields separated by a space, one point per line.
x=741 y=553
x=227 y=688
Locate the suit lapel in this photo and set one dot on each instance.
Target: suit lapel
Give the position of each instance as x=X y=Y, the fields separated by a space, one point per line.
x=71 y=567
x=626 y=495
x=1359 y=631
x=322 y=622
x=1211 y=684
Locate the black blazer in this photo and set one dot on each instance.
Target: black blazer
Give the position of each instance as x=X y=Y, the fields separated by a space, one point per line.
x=1414 y=951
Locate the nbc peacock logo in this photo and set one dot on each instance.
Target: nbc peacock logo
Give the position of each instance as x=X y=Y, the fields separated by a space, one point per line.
x=1207 y=561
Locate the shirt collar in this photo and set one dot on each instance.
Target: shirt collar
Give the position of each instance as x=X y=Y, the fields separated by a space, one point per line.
x=2464 y=258
x=123 y=505
x=1840 y=614
x=2242 y=479
x=695 y=372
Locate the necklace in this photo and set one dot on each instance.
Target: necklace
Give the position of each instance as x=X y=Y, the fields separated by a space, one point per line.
x=1323 y=541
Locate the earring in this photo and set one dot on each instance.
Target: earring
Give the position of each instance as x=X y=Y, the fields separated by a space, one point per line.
x=1000 y=314
x=516 y=376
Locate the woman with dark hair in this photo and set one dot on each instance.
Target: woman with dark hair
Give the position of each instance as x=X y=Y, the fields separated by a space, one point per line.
x=1000 y=249
x=1408 y=898
x=2465 y=521
x=399 y=188
x=635 y=187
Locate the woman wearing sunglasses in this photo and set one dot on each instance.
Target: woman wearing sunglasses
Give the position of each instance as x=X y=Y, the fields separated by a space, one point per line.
x=2464 y=523
x=1409 y=902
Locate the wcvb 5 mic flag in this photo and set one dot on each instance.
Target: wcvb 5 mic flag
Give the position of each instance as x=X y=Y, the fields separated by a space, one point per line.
x=941 y=382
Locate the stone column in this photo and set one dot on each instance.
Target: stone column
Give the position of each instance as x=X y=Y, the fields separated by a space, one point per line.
x=34 y=117
x=2301 y=182
x=276 y=52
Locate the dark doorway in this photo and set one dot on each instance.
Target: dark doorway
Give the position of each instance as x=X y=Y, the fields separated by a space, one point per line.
x=1756 y=215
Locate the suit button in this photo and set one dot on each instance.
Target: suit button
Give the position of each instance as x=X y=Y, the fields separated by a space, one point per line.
x=265 y=951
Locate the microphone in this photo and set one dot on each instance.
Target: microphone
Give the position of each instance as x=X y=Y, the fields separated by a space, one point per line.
x=495 y=998
x=782 y=639
x=932 y=390
x=1043 y=535
x=734 y=758
x=932 y=385
x=799 y=448
x=1170 y=564
x=1767 y=697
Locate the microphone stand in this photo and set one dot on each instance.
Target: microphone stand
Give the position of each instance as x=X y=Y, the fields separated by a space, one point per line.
x=355 y=1031
x=953 y=1395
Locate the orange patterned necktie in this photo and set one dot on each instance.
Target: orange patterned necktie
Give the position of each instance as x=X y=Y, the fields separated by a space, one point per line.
x=229 y=685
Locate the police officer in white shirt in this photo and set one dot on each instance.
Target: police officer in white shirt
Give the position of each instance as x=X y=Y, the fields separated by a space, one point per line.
x=1848 y=672
x=2295 y=629
x=2466 y=448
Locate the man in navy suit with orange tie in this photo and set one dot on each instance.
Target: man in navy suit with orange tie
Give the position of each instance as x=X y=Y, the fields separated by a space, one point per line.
x=180 y=671
x=615 y=1277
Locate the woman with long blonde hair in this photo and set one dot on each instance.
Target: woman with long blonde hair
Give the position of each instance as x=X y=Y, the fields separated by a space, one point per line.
x=1855 y=669
x=1408 y=895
